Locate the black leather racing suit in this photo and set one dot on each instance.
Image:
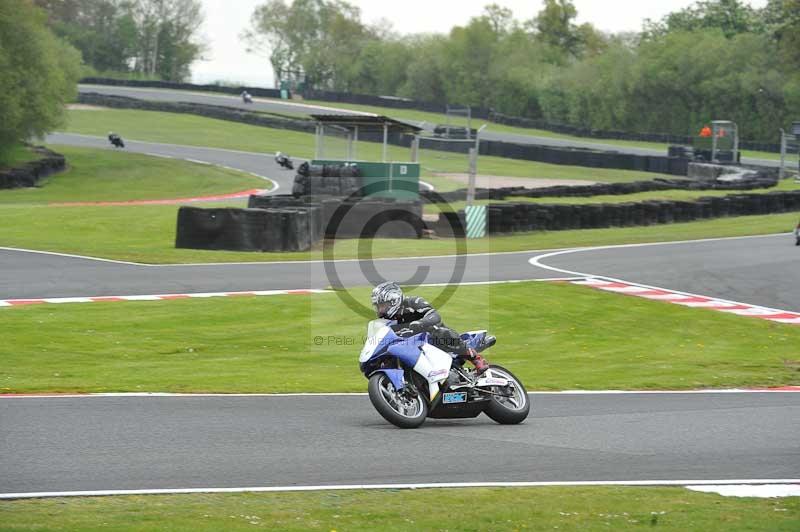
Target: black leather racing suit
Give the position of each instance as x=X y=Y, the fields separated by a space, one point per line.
x=416 y=309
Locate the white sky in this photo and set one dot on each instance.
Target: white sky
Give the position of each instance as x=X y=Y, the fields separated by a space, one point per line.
x=226 y=19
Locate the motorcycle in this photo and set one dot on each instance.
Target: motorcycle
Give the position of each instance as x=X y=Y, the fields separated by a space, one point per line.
x=284 y=161
x=411 y=380
x=116 y=140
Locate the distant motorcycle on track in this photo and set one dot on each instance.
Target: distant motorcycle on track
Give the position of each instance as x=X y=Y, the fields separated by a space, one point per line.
x=411 y=380
x=116 y=140
x=284 y=161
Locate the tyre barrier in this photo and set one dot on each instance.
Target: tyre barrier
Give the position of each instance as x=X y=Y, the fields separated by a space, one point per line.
x=29 y=174
x=327 y=180
x=287 y=223
x=245 y=229
x=454 y=132
x=508 y=218
x=254 y=91
x=758 y=180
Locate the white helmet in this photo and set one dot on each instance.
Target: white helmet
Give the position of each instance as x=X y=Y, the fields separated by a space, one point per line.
x=386 y=299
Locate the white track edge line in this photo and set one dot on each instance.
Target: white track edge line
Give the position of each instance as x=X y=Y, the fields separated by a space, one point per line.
x=133 y=395
x=541 y=253
x=441 y=485
x=536 y=262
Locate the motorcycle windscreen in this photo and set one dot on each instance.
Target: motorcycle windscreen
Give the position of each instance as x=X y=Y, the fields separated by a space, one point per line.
x=434 y=365
x=378 y=337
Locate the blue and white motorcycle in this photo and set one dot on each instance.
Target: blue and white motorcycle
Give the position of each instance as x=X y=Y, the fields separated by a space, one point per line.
x=410 y=380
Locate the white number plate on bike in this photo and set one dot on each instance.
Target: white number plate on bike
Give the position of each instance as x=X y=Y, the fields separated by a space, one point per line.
x=454 y=397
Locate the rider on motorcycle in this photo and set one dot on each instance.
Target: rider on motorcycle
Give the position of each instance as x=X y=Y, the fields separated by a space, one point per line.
x=417 y=315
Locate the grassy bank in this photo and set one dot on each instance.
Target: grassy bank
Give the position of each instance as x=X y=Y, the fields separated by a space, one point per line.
x=15 y=155
x=105 y=175
x=200 y=131
x=311 y=343
x=600 y=508
x=149 y=236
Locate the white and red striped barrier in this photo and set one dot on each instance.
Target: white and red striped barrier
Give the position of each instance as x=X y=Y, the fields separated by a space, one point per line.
x=157 y=297
x=691 y=300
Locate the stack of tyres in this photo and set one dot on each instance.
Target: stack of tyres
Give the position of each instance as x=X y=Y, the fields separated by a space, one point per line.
x=230 y=229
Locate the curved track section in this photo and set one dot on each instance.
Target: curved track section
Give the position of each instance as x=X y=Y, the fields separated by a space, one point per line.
x=761 y=270
x=32 y=275
x=124 y=443
x=262 y=165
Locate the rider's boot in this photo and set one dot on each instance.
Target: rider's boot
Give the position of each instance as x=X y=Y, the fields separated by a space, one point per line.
x=478 y=361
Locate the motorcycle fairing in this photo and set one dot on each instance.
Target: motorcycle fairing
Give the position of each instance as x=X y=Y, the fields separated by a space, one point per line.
x=408 y=351
x=434 y=366
x=395 y=376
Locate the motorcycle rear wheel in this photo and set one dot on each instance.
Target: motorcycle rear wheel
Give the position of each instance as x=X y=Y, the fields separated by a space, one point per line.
x=394 y=406
x=509 y=411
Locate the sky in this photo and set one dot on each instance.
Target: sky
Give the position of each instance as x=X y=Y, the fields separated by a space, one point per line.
x=226 y=19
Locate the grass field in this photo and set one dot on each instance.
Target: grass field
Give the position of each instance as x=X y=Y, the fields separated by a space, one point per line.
x=105 y=175
x=496 y=509
x=584 y=339
x=200 y=131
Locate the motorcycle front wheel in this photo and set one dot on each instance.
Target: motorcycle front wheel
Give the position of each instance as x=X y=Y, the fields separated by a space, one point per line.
x=399 y=407
x=512 y=405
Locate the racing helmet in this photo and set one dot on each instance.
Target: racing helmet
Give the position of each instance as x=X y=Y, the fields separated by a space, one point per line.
x=386 y=299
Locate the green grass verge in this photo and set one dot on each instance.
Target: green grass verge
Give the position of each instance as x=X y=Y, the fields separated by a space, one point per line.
x=200 y=131
x=546 y=508
x=105 y=175
x=149 y=236
x=311 y=343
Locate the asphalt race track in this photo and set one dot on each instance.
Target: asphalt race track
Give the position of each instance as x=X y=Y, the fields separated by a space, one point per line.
x=282 y=106
x=755 y=270
x=123 y=443
x=268 y=105
x=261 y=164
x=761 y=270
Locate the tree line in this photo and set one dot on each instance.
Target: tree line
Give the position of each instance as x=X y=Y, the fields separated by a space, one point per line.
x=718 y=59
x=38 y=74
x=148 y=38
